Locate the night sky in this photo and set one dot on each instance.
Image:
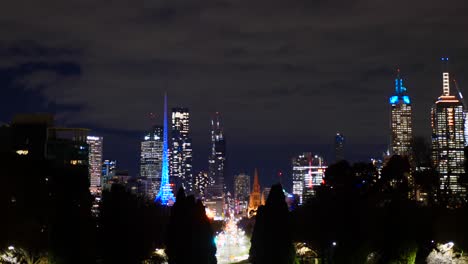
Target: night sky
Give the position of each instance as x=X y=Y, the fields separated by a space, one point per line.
x=284 y=74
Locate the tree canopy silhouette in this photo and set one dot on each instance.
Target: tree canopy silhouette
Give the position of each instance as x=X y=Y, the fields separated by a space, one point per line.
x=271 y=238
x=190 y=238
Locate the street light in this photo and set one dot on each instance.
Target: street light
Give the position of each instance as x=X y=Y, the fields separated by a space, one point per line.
x=334 y=243
x=11 y=248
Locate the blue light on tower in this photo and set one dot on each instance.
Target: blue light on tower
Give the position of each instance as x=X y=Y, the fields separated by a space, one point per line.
x=165 y=195
x=400 y=92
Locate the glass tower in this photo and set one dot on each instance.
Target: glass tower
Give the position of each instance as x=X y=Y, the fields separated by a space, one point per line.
x=95 y=162
x=181 y=152
x=217 y=158
x=151 y=159
x=308 y=172
x=400 y=120
x=448 y=139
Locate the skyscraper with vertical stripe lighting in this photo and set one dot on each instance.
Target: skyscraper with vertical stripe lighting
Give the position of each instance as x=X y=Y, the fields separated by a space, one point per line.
x=448 y=139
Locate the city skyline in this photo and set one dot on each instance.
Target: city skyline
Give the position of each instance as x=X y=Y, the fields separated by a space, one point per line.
x=332 y=66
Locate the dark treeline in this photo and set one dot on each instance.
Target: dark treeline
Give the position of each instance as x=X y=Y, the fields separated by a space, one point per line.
x=361 y=216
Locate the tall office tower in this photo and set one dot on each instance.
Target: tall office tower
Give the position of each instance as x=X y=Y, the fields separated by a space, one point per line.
x=217 y=159
x=95 y=162
x=339 y=147
x=308 y=172
x=401 y=123
x=200 y=183
x=465 y=115
x=242 y=187
x=151 y=159
x=181 y=152
x=109 y=168
x=448 y=139
x=241 y=193
x=255 y=196
x=165 y=195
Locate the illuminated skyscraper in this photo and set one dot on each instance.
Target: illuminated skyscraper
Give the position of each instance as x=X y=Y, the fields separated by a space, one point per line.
x=339 y=147
x=217 y=158
x=181 y=152
x=448 y=139
x=109 y=168
x=95 y=162
x=151 y=159
x=308 y=172
x=165 y=195
x=401 y=123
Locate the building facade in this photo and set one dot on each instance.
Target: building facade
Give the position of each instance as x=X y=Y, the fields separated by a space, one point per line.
x=401 y=120
x=181 y=150
x=109 y=168
x=448 y=140
x=308 y=173
x=217 y=158
x=95 y=162
x=241 y=187
x=151 y=159
x=200 y=183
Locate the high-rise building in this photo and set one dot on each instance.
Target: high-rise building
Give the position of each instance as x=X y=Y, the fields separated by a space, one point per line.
x=109 y=168
x=95 y=162
x=339 y=147
x=217 y=159
x=165 y=195
x=242 y=187
x=448 y=139
x=241 y=193
x=400 y=120
x=308 y=173
x=181 y=152
x=200 y=183
x=151 y=159
x=255 y=196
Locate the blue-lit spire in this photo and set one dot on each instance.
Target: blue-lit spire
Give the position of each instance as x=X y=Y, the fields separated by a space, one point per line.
x=165 y=195
x=400 y=91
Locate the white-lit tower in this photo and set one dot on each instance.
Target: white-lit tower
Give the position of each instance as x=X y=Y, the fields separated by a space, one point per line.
x=151 y=159
x=448 y=139
x=95 y=162
x=181 y=150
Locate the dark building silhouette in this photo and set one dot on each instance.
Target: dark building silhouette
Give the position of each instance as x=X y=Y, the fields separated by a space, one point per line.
x=45 y=189
x=339 y=147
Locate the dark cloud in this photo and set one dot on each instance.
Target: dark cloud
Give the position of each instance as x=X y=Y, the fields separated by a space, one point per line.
x=281 y=72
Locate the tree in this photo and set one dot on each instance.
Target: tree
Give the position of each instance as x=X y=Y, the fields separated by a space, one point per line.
x=130 y=226
x=271 y=238
x=190 y=238
x=395 y=177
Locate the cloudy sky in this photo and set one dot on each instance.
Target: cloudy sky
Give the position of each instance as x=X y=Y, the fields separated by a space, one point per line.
x=284 y=74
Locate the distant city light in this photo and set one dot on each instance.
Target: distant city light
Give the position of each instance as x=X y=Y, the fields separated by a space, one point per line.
x=22 y=152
